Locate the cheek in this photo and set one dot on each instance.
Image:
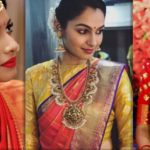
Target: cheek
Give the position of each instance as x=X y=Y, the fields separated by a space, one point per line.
x=73 y=40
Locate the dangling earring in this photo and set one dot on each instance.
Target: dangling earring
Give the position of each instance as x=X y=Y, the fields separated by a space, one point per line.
x=98 y=49
x=60 y=46
x=97 y=52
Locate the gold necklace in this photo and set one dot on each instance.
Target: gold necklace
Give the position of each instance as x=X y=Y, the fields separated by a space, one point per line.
x=73 y=115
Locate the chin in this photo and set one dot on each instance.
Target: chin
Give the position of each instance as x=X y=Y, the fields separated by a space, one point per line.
x=8 y=75
x=86 y=57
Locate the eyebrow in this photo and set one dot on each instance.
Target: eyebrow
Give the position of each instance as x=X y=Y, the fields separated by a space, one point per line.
x=84 y=25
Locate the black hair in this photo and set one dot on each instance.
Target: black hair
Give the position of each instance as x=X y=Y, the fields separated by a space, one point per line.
x=69 y=9
x=4 y=3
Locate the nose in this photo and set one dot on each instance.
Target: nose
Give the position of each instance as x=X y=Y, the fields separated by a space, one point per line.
x=92 y=41
x=11 y=46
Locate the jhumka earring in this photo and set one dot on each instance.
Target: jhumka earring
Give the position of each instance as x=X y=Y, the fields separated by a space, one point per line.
x=98 y=49
x=1 y=6
x=60 y=46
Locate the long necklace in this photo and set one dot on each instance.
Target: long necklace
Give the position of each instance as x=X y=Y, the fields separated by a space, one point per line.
x=73 y=115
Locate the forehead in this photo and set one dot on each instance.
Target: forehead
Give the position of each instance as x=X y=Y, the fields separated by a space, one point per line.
x=91 y=17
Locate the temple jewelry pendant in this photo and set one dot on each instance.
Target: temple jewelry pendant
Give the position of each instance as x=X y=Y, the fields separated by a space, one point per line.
x=73 y=117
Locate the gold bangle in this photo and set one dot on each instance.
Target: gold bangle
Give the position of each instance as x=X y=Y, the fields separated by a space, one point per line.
x=1 y=6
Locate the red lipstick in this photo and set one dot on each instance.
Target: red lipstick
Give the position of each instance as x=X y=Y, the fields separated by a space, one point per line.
x=10 y=63
x=88 y=51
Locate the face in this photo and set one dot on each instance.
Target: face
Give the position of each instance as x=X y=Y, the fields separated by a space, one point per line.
x=83 y=35
x=8 y=49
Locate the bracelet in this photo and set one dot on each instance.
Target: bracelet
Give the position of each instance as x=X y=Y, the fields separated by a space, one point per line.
x=1 y=6
x=144 y=146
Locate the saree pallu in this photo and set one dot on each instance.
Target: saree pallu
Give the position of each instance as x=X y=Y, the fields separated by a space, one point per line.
x=11 y=115
x=143 y=114
x=44 y=127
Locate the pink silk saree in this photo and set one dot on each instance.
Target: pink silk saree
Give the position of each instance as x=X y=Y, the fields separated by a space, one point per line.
x=53 y=134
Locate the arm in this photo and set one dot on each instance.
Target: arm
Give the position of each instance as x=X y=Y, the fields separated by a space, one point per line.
x=31 y=130
x=123 y=112
x=143 y=136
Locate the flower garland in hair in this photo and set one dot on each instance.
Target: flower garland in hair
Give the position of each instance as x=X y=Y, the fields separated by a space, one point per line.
x=141 y=34
x=52 y=20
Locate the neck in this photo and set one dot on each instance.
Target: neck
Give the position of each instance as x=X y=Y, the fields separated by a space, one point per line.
x=69 y=59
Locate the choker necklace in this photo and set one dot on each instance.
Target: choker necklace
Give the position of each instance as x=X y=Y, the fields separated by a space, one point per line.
x=73 y=115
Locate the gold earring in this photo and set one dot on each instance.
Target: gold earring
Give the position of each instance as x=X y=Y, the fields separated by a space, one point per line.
x=98 y=49
x=60 y=47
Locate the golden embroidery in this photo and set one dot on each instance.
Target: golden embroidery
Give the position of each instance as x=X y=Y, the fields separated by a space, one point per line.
x=145 y=75
x=146 y=97
x=74 y=116
x=140 y=90
x=145 y=86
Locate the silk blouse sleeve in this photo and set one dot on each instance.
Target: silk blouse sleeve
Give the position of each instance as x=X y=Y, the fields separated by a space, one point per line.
x=123 y=111
x=31 y=130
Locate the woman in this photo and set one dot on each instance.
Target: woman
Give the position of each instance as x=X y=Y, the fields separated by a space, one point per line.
x=143 y=115
x=71 y=101
x=11 y=91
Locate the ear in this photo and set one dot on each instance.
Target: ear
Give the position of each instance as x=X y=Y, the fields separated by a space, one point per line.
x=57 y=25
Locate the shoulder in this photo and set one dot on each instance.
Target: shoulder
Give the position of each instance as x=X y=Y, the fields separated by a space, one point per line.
x=110 y=66
x=40 y=68
x=107 y=63
x=12 y=84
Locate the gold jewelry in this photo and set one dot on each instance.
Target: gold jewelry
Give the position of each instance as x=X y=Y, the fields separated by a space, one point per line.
x=1 y=6
x=73 y=115
x=98 y=49
x=60 y=47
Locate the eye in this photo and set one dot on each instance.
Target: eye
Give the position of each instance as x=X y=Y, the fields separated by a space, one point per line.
x=9 y=27
x=100 y=31
x=82 y=31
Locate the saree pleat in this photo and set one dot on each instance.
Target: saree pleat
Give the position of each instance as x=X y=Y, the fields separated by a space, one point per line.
x=9 y=138
x=53 y=134
x=12 y=114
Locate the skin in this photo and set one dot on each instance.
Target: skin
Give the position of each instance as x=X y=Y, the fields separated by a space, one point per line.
x=82 y=36
x=8 y=47
x=142 y=135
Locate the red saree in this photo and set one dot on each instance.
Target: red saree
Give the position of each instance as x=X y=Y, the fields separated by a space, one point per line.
x=52 y=132
x=143 y=115
x=11 y=115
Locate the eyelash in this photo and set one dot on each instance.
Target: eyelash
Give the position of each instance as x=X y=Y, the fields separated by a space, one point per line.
x=9 y=29
x=84 y=31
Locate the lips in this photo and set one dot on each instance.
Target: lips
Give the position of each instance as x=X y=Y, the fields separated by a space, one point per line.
x=88 y=51
x=10 y=63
